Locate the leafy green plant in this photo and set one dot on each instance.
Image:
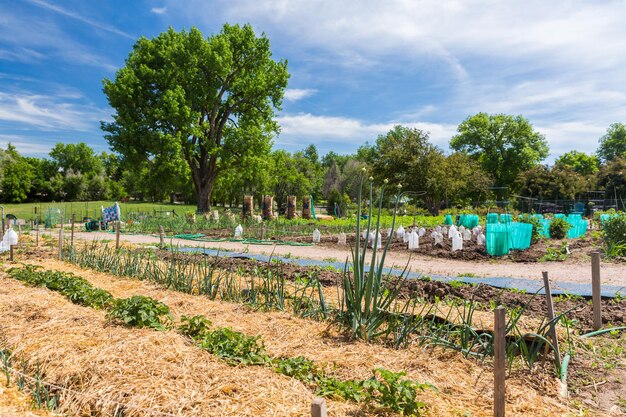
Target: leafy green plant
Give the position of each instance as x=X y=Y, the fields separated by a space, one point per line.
x=559 y=228
x=299 y=367
x=195 y=327
x=365 y=300
x=392 y=392
x=140 y=311
x=615 y=236
x=554 y=254
x=236 y=348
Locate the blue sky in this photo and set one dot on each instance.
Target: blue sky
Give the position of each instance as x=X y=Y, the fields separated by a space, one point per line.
x=358 y=67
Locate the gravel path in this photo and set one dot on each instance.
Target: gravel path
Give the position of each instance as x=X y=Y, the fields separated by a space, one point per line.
x=612 y=273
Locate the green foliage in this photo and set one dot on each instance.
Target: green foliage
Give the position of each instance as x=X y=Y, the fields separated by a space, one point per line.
x=615 y=236
x=391 y=391
x=236 y=348
x=299 y=367
x=559 y=228
x=207 y=101
x=365 y=299
x=554 y=183
x=341 y=201
x=555 y=254
x=76 y=289
x=348 y=390
x=140 y=311
x=579 y=162
x=503 y=145
x=196 y=327
x=613 y=143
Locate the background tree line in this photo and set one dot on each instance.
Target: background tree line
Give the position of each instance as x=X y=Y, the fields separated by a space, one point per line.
x=489 y=152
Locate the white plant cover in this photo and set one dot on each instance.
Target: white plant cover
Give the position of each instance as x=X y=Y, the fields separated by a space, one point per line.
x=467 y=234
x=452 y=232
x=400 y=232
x=457 y=242
x=10 y=238
x=341 y=239
x=316 y=236
x=480 y=239
x=421 y=232
x=414 y=240
x=439 y=239
x=238 y=231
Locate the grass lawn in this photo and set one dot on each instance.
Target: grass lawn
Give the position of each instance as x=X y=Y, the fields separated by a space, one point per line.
x=82 y=209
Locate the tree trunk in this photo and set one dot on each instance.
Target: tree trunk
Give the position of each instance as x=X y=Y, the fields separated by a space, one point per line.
x=204 y=198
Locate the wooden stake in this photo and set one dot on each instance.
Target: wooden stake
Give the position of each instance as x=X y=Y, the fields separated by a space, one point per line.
x=72 y=234
x=117 y=235
x=596 y=291
x=161 y=232
x=11 y=253
x=61 y=242
x=499 y=362
x=550 y=307
x=37 y=237
x=318 y=408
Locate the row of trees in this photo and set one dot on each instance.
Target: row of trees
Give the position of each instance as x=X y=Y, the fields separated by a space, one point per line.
x=489 y=153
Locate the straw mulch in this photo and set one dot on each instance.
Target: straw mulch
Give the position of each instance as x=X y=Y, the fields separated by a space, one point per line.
x=15 y=403
x=463 y=385
x=150 y=372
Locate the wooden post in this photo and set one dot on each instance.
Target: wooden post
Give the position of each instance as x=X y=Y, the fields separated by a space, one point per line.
x=37 y=237
x=595 y=290
x=61 y=242
x=318 y=408
x=306 y=207
x=550 y=307
x=248 y=206
x=72 y=233
x=268 y=201
x=291 y=207
x=161 y=232
x=117 y=235
x=499 y=361
x=11 y=253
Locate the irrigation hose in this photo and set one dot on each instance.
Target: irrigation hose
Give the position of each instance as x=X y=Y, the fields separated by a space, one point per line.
x=566 y=358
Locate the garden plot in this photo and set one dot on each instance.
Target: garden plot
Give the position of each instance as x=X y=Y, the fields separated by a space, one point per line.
x=289 y=336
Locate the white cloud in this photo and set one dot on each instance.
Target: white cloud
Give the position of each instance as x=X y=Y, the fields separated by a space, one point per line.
x=26 y=145
x=295 y=94
x=73 y=15
x=36 y=111
x=158 y=10
x=306 y=126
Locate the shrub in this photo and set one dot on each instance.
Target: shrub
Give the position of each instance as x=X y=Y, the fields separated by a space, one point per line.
x=140 y=311
x=559 y=228
x=236 y=348
x=196 y=327
x=615 y=236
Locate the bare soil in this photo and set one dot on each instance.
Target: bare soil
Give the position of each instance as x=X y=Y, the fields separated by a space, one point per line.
x=577 y=268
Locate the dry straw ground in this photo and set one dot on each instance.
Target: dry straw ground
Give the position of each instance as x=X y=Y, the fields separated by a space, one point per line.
x=163 y=371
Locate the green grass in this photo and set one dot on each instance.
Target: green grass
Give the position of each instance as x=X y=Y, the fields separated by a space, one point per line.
x=90 y=208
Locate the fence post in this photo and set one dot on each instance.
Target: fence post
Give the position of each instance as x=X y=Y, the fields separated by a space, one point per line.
x=61 y=242
x=117 y=235
x=11 y=253
x=37 y=237
x=499 y=361
x=161 y=232
x=550 y=307
x=318 y=408
x=596 y=291
x=72 y=233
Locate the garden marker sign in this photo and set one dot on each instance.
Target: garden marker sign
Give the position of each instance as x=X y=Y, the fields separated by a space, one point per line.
x=111 y=214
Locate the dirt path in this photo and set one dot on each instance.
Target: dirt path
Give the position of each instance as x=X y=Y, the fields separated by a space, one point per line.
x=612 y=273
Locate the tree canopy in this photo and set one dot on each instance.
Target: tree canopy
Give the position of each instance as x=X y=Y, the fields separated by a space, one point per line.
x=613 y=143
x=207 y=101
x=579 y=162
x=504 y=145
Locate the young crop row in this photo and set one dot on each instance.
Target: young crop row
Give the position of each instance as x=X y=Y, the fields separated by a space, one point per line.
x=385 y=390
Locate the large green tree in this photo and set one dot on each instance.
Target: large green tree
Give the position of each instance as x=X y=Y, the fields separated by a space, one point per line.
x=613 y=143
x=405 y=155
x=208 y=101
x=579 y=162
x=503 y=145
